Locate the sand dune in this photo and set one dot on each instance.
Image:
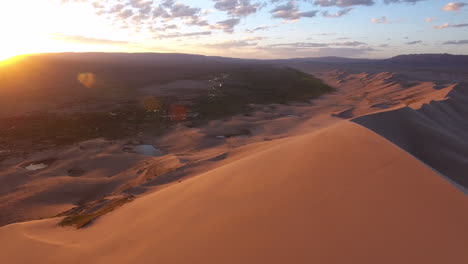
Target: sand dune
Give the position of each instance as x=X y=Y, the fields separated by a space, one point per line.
x=26 y=195
x=434 y=132
x=288 y=203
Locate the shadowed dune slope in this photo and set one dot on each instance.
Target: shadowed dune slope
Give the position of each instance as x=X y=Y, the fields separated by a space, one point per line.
x=436 y=133
x=340 y=195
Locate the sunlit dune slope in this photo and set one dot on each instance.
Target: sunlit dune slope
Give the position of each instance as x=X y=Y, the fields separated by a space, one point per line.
x=340 y=195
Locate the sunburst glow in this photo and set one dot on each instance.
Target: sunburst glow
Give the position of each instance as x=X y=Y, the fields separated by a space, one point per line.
x=36 y=30
x=245 y=29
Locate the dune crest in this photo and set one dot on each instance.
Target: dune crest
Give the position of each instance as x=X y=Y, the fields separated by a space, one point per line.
x=434 y=132
x=292 y=203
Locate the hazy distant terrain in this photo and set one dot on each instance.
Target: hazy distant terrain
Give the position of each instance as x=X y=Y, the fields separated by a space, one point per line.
x=61 y=99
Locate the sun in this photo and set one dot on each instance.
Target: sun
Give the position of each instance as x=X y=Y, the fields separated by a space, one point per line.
x=9 y=51
x=28 y=30
x=35 y=29
x=17 y=36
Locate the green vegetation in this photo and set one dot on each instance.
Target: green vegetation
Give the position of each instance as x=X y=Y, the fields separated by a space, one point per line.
x=63 y=129
x=259 y=85
x=232 y=92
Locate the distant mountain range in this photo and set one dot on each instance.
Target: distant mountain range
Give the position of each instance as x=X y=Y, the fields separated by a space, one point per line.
x=416 y=60
x=429 y=59
x=411 y=60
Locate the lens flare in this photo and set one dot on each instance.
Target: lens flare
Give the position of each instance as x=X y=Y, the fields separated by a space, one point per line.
x=152 y=104
x=178 y=112
x=87 y=79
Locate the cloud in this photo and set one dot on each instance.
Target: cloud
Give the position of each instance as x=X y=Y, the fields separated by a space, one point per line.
x=447 y=25
x=165 y=27
x=191 y=34
x=456 y=42
x=459 y=25
x=145 y=14
x=291 y=12
x=454 y=6
x=429 y=19
x=140 y=3
x=403 y=1
x=71 y=1
x=181 y=10
x=232 y=44
x=325 y=34
x=340 y=13
x=86 y=40
x=343 y=3
x=414 y=42
x=237 y=7
x=227 y=25
x=382 y=20
x=300 y=45
x=125 y=14
x=260 y=28
x=348 y=43
x=307 y=45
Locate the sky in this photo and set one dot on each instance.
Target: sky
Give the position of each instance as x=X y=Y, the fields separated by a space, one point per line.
x=261 y=29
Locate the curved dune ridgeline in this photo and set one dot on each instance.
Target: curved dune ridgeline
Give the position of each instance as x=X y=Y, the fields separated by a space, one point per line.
x=435 y=133
x=290 y=202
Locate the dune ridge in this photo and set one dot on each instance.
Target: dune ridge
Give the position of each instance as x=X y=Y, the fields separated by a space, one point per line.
x=434 y=132
x=287 y=203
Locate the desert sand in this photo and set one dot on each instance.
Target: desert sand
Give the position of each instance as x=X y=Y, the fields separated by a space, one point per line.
x=371 y=173
x=290 y=202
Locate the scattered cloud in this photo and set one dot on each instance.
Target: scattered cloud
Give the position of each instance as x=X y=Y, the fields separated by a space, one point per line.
x=343 y=3
x=414 y=42
x=456 y=42
x=227 y=25
x=403 y=1
x=260 y=28
x=306 y=45
x=382 y=20
x=290 y=12
x=348 y=43
x=339 y=13
x=190 y=34
x=325 y=34
x=447 y=25
x=454 y=6
x=233 y=44
x=178 y=19
x=347 y=3
x=300 y=45
x=430 y=19
x=237 y=7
